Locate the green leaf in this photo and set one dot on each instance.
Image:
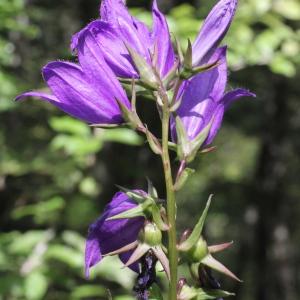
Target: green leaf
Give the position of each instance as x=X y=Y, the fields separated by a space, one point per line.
x=35 y=286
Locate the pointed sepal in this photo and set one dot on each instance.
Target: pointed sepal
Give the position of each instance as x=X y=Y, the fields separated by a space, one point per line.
x=196 y=233
x=183 y=144
x=183 y=177
x=219 y=248
x=140 y=251
x=153 y=142
x=217 y=266
x=161 y=256
x=146 y=72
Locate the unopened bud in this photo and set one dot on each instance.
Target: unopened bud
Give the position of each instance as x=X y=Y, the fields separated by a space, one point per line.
x=198 y=251
x=151 y=235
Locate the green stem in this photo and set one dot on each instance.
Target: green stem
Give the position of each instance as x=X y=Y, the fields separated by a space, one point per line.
x=171 y=204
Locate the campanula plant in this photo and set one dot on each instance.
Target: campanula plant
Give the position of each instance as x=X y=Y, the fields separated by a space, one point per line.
x=120 y=58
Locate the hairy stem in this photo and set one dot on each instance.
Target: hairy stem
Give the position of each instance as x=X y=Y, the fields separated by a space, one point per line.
x=171 y=204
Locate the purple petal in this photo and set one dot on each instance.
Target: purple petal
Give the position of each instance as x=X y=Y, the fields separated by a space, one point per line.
x=129 y=28
x=162 y=40
x=111 y=10
x=234 y=95
x=201 y=96
x=76 y=96
x=213 y=30
x=224 y=104
x=107 y=236
x=99 y=74
x=124 y=257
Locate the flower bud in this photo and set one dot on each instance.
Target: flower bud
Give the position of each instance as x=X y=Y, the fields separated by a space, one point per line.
x=198 y=251
x=151 y=235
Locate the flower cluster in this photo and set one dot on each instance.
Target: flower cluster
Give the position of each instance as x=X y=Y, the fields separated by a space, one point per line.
x=189 y=89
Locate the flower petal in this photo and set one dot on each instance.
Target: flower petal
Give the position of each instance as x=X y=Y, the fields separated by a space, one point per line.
x=213 y=30
x=100 y=76
x=234 y=95
x=76 y=96
x=162 y=40
x=224 y=104
x=114 y=234
x=200 y=96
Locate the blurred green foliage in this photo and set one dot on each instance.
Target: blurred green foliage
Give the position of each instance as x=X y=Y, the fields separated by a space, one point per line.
x=56 y=173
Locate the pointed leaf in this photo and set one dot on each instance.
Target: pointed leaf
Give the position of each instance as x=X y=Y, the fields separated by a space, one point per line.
x=193 y=238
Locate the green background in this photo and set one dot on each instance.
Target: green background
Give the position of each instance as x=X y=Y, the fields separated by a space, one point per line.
x=56 y=174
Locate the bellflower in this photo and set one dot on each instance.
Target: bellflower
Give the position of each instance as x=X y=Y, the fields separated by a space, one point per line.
x=203 y=99
x=213 y=31
x=88 y=90
x=118 y=28
x=106 y=236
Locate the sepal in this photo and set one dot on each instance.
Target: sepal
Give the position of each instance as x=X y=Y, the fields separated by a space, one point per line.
x=191 y=293
x=147 y=75
x=196 y=233
x=217 y=266
x=130 y=116
x=183 y=177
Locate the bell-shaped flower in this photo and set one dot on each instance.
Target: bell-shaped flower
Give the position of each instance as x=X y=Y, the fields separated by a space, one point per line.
x=89 y=90
x=213 y=30
x=117 y=30
x=203 y=103
x=106 y=236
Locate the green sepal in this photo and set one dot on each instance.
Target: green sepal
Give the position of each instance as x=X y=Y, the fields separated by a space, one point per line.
x=196 y=233
x=153 y=142
x=182 y=140
x=179 y=50
x=151 y=189
x=137 y=211
x=188 y=57
x=110 y=126
x=136 y=196
x=192 y=293
x=205 y=67
x=171 y=75
x=155 y=292
x=208 y=294
x=181 y=180
x=155 y=211
x=176 y=105
x=129 y=116
x=146 y=72
x=198 y=141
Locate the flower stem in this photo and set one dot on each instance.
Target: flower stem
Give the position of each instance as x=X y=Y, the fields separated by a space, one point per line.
x=171 y=205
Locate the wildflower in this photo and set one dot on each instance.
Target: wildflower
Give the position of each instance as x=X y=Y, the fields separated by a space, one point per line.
x=117 y=30
x=88 y=90
x=203 y=103
x=106 y=236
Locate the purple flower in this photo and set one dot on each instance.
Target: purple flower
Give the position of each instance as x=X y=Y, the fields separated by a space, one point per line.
x=107 y=236
x=87 y=91
x=203 y=100
x=213 y=31
x=118 y=27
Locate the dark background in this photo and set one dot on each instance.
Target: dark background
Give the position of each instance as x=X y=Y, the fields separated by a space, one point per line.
x=56 y=174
